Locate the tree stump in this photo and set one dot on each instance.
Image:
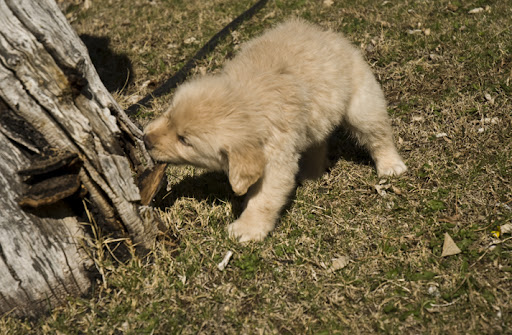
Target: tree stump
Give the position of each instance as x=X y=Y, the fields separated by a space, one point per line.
x=63 y=137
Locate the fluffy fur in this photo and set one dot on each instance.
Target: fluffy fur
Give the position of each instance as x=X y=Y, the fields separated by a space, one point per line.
x=278 y=99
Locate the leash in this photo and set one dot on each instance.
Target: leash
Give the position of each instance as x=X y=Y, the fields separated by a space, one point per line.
x=182 y=73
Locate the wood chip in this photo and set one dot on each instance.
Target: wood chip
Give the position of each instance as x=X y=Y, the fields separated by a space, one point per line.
x=449 y=246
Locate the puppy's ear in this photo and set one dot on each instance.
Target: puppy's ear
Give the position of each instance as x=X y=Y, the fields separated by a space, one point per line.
x=246 y=166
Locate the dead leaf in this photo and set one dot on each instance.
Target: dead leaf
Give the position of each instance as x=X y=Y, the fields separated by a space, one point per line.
x=476 y=10
x=434 y=57
x=414 y=31
x=134 y=98
x=449 y=246
x=396 y=190
x=381 y=189
x=339 y=263
x=491 y=120
x=450 y=219
x=506 y=228
x=452 y=7
x=190 y=40
x=202 y=70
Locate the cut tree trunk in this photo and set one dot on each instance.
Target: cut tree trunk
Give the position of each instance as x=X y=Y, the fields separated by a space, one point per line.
x=65 y=142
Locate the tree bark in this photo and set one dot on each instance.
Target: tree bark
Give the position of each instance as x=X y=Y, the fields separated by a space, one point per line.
x=53 y=105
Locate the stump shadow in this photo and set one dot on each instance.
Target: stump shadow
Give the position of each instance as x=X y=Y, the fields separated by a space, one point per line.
x=209 y=186
x=115 y=69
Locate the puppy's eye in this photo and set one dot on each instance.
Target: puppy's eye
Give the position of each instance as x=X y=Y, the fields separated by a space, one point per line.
x=183 y=140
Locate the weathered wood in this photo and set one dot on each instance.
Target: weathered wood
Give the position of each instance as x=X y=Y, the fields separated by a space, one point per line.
x=51 y=98
x=41 y=262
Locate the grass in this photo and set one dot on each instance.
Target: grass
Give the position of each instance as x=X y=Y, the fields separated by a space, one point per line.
x=447 y=77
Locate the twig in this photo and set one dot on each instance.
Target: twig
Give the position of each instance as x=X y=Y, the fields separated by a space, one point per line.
x=447 y=304
x=222 y=265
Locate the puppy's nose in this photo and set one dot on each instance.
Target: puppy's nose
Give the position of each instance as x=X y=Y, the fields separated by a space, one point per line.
x=148 y=142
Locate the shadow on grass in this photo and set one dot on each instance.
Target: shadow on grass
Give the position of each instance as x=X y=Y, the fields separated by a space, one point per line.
x=343 y=146
x=213 y=187
x=115 y=70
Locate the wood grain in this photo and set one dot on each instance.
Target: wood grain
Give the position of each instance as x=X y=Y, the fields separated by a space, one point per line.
x=51 y=98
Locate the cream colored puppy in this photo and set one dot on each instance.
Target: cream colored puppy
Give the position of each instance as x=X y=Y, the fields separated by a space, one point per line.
x=278 y=99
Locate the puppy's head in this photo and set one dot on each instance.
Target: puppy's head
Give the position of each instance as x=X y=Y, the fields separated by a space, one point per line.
x=210 y=125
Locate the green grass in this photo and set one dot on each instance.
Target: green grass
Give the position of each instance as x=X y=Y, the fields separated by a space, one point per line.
x=435 y=80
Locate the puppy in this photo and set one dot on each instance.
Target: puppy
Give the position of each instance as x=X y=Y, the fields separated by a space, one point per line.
x=279 y=99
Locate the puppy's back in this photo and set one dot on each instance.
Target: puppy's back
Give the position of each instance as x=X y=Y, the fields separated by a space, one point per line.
x=296 y=47
x=322 y=66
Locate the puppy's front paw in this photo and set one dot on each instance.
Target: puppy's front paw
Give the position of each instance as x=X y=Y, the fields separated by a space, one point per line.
x=392 y=166
x=245 y=231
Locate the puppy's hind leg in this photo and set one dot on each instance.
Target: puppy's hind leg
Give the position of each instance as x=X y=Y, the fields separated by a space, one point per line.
x=368 y=121
x=265 y=200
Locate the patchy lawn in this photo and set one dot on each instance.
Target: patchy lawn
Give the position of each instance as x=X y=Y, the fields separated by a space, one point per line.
x=446 y=69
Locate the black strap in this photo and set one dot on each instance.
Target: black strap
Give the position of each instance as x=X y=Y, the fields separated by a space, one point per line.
x=181 y=75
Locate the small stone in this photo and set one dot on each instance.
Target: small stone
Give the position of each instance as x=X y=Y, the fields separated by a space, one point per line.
x=434 y=291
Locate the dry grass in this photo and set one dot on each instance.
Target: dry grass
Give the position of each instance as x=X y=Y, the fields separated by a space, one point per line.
x=447 y=76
